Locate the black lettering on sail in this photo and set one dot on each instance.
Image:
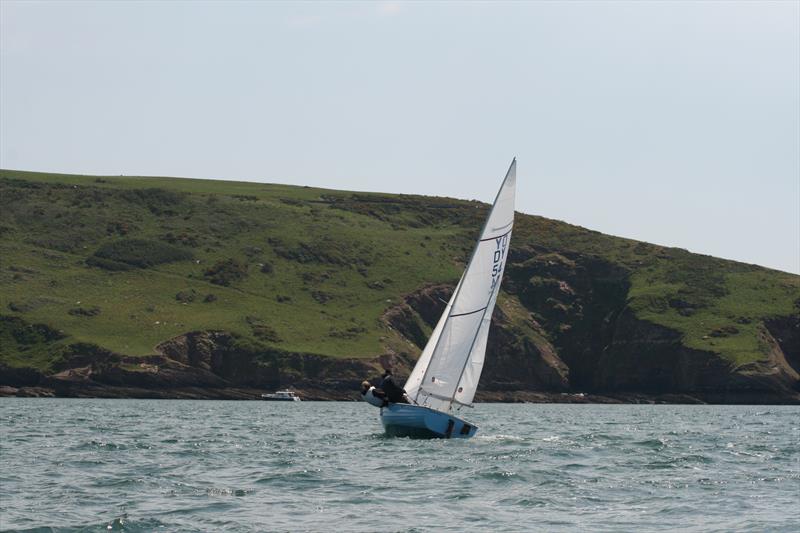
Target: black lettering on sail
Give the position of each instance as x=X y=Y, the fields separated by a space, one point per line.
x=499 y=253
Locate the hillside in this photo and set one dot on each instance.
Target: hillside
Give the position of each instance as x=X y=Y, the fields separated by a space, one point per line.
x=169 y=287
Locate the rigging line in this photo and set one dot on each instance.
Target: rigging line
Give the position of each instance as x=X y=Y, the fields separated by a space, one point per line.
x=469 y=263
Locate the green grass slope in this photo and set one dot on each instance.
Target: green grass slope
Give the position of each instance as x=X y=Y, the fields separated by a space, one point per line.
x=126 y=263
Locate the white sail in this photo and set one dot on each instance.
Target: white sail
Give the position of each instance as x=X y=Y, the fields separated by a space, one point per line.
x=450 y=366
x=415 y=379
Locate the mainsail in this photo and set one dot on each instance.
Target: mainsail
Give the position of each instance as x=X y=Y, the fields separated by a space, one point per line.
x=450 y=366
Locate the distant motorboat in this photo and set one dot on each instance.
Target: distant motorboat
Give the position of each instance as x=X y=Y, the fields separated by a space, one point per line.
x=281 y=396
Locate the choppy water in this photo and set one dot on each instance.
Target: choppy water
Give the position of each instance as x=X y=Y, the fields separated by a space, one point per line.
x=147 y=465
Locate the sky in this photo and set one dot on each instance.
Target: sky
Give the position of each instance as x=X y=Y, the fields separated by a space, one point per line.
x=676 y=123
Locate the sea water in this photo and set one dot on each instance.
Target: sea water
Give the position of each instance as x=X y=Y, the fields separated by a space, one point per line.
x=159 y=465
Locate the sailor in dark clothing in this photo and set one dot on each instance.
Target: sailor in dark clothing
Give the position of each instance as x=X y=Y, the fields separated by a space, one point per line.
x=394 y=392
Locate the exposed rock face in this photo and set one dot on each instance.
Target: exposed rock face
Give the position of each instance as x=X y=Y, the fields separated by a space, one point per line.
x=516 y=360
x=19 y=377
x=519 y=362
x=576 y=300
x=430 y=301
x=581 y=337
x=786 y=333
x=403 y=319
x=202 y=364
x=563 y=332
x=645 y=357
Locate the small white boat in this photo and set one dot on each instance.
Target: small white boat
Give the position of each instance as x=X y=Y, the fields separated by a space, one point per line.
x=446 y=375
x=281 y=396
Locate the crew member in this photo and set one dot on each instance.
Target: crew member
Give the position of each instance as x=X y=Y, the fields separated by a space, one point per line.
x=394 y=392
x=373 y=395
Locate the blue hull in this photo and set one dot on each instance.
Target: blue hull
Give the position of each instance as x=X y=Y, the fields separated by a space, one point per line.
x=404 y=420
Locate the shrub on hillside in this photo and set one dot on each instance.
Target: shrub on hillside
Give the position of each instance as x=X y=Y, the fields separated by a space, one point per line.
x=186 y=296
x=321 y=296
x=66 y=240
x=261 y=330
x=409 y=211
x=323 y=250
x=20 y=307
x=347 y=333
x=24 y=333
x=84 y=311
x=126 y=253
x=184 y=238
x=157 y=200
x=252 y=251
x=107 y=264
x=118 y=228
x=226 y=272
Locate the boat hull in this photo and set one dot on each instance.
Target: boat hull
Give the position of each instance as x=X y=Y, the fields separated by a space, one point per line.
x=404 y=420
x=267 y=399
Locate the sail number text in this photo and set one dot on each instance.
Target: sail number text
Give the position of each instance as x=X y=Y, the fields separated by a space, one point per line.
x=499 y=253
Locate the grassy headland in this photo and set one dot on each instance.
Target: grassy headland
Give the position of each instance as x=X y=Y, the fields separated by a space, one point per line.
x=127 y=263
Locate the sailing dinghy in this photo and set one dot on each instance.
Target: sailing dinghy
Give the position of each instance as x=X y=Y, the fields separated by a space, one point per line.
x=446 y=375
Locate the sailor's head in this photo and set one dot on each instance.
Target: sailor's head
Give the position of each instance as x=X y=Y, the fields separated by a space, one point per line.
x=387 y=372
x=365 y=385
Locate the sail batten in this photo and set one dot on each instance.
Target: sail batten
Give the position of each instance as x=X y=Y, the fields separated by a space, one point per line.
x=449 y=368
x=497 y=236
x=470 y=312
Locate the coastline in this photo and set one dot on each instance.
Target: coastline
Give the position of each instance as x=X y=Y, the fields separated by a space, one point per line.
x=309 y=394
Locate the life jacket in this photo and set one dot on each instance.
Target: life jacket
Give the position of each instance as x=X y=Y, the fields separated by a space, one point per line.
x=370 y=397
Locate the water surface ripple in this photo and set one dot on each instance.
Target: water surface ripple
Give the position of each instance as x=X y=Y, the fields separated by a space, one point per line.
x=148 y=465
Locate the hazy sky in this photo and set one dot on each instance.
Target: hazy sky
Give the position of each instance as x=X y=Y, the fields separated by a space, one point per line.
x=676 y=123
